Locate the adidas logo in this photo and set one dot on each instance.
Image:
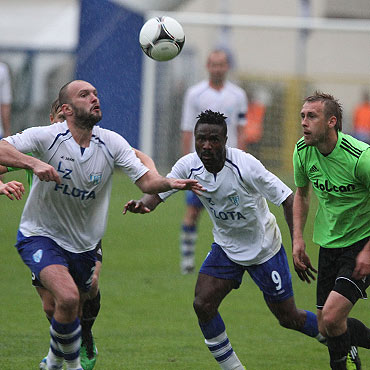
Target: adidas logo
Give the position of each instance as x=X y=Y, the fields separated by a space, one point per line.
x=313 y=169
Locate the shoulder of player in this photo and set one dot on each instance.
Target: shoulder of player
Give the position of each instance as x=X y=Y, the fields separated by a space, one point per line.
x=239 y=159
x=198 y=88
x=232 y=87
x=301 y=145
x=351 y=146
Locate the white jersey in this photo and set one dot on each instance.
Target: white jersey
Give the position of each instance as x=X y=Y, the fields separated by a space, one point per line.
x=74 y=213
x=5 y=90
x=231 y=100
x=235 y=199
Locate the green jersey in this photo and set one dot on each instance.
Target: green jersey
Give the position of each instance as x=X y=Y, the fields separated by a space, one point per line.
x=29 y=173
x=341 y=182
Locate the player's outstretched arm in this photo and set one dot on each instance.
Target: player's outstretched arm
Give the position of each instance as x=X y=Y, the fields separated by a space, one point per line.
x=153 y=183
x=146 y=160
x=11 y=157
x=145 y=205
x=12 y=189
x=302 y=263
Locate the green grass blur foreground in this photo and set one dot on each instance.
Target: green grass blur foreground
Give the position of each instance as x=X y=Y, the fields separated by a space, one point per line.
x=146 y=319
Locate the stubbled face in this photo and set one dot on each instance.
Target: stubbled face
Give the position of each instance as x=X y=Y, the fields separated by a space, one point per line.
x=217 y=67
x=315 y=125
x=210 y=141
x=84 y=103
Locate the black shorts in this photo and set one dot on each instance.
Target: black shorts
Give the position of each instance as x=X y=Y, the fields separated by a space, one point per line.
x=336 y=266
x=99 y=255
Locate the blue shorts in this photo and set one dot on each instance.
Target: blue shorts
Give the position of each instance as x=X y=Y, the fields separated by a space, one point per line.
x=192 y=199
x=38 y=252
x=272 y=277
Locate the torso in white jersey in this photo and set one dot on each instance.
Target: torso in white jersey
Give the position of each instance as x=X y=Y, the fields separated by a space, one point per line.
x=231 y=100
x=74 y=213
x=236 y=201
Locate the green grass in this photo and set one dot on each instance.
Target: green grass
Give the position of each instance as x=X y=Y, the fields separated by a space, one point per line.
x=146 y=319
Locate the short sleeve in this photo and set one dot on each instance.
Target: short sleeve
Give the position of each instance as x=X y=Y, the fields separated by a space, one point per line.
x=363 y=168
x=300 y=178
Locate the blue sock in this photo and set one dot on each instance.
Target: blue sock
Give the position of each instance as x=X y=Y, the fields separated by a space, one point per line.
x=310 y=326
x=67 y=338
x=219 y=345
x=213 y=328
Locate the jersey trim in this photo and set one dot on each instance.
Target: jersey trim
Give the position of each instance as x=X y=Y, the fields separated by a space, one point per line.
x=301 y=145
x=347 y=146
x=236 y=167
x=57 y=137
x=194 y=170
x=100 y=141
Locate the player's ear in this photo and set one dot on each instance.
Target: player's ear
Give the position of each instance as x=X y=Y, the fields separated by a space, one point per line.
x=67 y=110
x=332 y=121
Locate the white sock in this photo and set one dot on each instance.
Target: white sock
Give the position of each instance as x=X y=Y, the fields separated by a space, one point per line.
x=224 y=354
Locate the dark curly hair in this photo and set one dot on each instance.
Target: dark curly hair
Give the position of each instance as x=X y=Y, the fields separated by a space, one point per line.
x=212 y=118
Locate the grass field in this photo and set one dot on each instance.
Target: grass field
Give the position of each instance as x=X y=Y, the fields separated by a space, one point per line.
x=146 y=319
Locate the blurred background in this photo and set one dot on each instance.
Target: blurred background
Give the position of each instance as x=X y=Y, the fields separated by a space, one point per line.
x=281 y=52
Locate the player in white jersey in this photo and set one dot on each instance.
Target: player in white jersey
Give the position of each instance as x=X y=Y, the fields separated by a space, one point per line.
x=217 y=94
x=246 y=235
x=5 y=100
x=66 y=211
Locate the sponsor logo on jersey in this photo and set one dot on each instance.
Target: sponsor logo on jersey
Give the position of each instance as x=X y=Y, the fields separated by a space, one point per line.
x=75 y=192
x=336 y=188
x=234 y=199
x=37 y=256
x=95 y=178
x=230 y=215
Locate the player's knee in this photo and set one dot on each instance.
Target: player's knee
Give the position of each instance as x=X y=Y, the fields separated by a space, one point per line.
x=203 y=308
x=329 y=320
x=49 y=308
x=291 y=320
x=69 y=303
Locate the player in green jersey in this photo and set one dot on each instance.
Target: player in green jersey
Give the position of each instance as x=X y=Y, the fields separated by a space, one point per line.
x=338 y=168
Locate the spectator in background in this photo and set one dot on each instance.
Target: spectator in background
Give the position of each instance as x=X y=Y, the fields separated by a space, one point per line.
x=218 y=94
x=253 y=129
x=361 y=119
x=5 y=100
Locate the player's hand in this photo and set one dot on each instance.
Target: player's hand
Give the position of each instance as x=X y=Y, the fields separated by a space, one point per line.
x=362 y=268
x=187 y=184
x=302 y=263
x=12 y=189
x=135 y=206
x=46 y=172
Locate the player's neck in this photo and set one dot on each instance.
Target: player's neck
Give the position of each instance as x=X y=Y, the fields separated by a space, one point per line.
x=217 y=85
x=82 y=136
x=328 y=145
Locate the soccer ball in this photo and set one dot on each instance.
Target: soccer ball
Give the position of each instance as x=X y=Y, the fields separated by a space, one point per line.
x=162 y=38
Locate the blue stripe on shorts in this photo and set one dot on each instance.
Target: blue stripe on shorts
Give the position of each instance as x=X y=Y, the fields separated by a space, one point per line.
x=272 y=277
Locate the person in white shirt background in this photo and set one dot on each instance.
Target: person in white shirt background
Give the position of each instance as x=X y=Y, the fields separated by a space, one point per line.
x=5 y=100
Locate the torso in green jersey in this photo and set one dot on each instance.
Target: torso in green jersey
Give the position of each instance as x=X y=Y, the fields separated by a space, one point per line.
x=341 y=182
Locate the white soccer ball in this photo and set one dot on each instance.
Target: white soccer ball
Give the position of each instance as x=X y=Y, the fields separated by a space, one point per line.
x=162 y=38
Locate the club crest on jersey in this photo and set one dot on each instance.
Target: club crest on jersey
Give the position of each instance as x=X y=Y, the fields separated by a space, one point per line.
x=37 y=256
x=95 y=178
x=234 y=199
